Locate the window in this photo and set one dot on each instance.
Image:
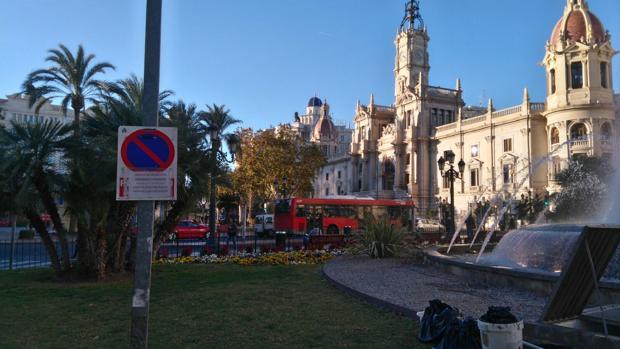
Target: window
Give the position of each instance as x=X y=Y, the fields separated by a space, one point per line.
x=557 y=166
x=339 y=174
x=507 y=172
x=475 y=151
x=326 y=191
x=579 y=132
x=555 y=136
x=406 y=178
x=507 y=145
x=604 y=75
x=474 y=179
x=552 y=80
x=576 y=73
x=434 y=120
x=408 y=159
x=327 y=176
x=606 y=132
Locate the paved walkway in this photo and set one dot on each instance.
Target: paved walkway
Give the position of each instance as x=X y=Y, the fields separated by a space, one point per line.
x=410 y=285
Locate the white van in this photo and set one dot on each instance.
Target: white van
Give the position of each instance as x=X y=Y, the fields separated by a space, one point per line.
x=263 y=224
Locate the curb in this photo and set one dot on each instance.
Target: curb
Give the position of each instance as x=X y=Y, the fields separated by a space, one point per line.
x=397 y=309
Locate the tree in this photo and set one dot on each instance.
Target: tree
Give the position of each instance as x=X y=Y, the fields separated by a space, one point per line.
x=268 y=156
x=104 y=224
x=193 y=165
x=217 y=120
x=71 y=78
x=30 y=179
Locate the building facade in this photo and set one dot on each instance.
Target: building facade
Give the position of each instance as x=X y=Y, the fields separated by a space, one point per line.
x=16 y=108
x=517 y=150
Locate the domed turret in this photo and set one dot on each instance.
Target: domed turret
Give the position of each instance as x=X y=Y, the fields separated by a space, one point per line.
x=325 y=129
x=315 y=102
x=577 y=25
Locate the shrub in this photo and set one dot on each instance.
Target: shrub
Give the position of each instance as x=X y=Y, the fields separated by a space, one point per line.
x=26 y=234
x=207 y=250
x=380 y=238
x=249 y=249
x=187 y=251
x=224 y=251
x=163 y=252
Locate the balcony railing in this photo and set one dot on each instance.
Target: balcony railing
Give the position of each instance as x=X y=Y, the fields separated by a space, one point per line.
x=580 y=143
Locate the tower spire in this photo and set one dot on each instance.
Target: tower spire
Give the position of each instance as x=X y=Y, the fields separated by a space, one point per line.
x=412 y=15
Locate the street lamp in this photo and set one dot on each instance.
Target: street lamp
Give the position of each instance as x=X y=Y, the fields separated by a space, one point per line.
x=451 y=175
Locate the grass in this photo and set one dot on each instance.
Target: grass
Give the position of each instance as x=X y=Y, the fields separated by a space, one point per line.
x=197 y=306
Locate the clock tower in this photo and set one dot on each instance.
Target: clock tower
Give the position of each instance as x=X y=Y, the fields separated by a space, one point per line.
x=411 y=51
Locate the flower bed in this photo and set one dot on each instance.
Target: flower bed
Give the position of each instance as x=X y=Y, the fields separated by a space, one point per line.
x=275 y=258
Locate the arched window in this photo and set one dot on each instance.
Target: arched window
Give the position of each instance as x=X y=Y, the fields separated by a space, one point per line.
x=552 y=80
x=388 y=175
x=579 y=132
x=606 y=131
x=555 y=135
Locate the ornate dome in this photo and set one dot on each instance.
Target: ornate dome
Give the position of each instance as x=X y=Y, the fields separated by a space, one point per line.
x=315 y=102
x=325 y=129
x=574 y=27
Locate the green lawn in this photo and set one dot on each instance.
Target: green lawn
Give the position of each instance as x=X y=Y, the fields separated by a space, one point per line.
x=197 y=306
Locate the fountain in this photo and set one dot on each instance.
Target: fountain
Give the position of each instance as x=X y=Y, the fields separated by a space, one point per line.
x=540 y=247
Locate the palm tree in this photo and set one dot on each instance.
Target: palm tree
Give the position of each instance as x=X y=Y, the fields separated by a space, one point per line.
x=193 y=163
x=104 y=224
x=217 y=119
x=29 y=152
x=129 y=92
x=70 y=78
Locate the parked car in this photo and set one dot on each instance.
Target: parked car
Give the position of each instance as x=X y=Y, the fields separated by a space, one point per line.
x=429 y=225
x=263 y=225
x=187 y=229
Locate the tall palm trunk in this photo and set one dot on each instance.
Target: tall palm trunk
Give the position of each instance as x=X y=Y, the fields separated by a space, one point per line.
x=120 y=226
x=36 y=221
x=40 y=183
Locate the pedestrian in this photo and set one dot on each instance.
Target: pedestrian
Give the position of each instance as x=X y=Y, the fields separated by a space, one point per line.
x=470 y=224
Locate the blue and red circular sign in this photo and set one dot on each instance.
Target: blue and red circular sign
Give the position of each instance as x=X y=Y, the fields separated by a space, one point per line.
x=147 y=150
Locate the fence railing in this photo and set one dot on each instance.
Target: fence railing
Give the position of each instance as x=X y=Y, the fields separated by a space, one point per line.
x=28 y=253
x=32 y=253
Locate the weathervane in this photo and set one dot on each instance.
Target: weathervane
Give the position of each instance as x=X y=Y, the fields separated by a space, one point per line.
x=412 y=13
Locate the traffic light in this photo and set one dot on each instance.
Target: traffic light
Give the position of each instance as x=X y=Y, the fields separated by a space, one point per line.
x=546 y=201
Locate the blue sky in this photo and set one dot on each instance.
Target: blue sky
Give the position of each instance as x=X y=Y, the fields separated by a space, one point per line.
x=264 y=59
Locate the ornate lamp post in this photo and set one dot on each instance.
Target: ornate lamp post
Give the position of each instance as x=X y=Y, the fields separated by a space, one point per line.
x=451 y=175
x=217 y=155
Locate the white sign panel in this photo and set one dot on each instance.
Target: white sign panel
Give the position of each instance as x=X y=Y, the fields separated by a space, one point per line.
x=146 y=163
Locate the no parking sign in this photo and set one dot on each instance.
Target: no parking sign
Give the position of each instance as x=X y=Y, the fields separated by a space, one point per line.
x=146 y=163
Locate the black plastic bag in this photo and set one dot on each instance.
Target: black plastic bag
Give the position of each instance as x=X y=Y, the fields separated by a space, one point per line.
x=437 y=316
x=461 y=334
x=499 y=315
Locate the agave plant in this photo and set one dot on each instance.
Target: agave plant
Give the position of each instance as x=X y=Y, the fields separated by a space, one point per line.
x=380 y=238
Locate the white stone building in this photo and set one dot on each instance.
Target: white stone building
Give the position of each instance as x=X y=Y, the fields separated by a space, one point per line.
x=15 y=108
x=317 y=126
x=395 y=148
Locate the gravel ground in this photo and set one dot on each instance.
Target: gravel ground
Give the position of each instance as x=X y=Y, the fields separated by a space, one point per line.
x=412 y=285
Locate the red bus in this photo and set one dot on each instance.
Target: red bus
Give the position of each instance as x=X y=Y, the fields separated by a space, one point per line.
x=333 y=216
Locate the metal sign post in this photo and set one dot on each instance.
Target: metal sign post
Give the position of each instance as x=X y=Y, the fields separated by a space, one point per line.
x=144 y=249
